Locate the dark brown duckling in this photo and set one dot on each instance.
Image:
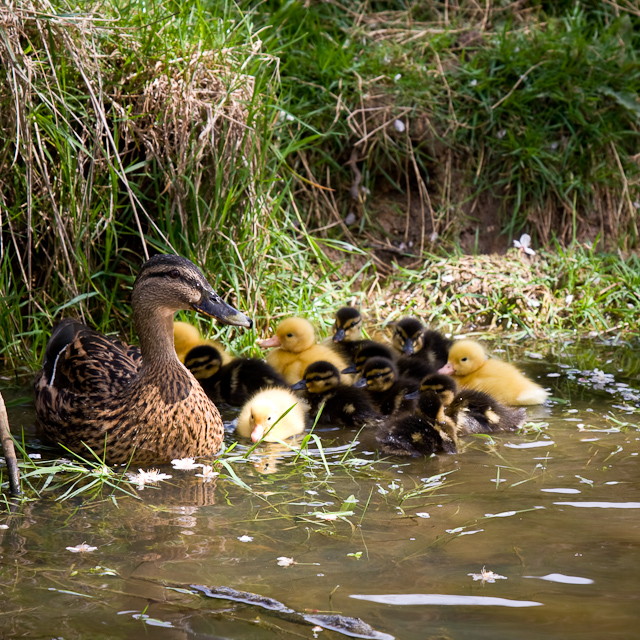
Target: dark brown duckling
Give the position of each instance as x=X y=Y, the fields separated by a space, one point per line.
x=151 y=409
x=369 y=349
x=412 y=339
x=387 y=390
x=233 y=383
x=343 y=405
x=347 y=332
x=473 y=411
x=422 y=434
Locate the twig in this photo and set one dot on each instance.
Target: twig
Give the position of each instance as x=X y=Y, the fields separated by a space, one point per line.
x=9 y=451
x=517 y=84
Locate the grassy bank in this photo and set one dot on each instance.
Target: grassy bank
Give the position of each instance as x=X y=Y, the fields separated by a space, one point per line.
x=270 y=142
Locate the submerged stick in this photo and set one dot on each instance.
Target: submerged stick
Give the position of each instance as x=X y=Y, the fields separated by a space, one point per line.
x=9 y=451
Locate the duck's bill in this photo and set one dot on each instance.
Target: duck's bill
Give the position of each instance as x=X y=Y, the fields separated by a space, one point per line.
x=358 y=384
x=413 y=395
x=299 y=385
x=212 y=305
x=350 y=369
x=269 y=342
x=447 y=370
x=338 y=336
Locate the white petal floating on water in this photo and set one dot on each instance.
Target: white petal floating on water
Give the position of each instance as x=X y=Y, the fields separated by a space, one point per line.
x=504 y=514
x=82 y=548
x=423 y=515
x=559 y=577
x=601 y=505
x=553 y=375
x=530 y=445
x=283 y=561
x=443 y=599
x=487 y=576
x=245 y=538
x=561 y=490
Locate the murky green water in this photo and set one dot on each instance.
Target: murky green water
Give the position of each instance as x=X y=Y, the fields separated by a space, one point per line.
x=554 y=511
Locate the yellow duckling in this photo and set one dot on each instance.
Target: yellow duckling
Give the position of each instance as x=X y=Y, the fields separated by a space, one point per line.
x=297 y=349
x=186 y=337
x=263 y=416
x=470 y=368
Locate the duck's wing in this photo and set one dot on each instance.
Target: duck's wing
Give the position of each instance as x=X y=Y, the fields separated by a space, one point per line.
x=78 y=358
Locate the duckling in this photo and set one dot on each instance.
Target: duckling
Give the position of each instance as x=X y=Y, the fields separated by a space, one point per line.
x=424 y=433
x=469 y=366
x=415 y=341
x=472 y=411
x=186 y=337
x=366 y=350
x=344 y=405
x=386 y=389
x=234 y=382
x=92 y=391
x=272 y=414
x=347 y=332
x=297 y=350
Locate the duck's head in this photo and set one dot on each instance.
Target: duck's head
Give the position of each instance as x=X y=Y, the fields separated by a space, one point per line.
x=430 y=407
x=367 y=351
x=465 y=357
x=168 y=283
x=378 y=374
x=203 y=361
x=319 y=377
x=408 y=336
x=443 y=385
x=348 y=325
x=293 y=334
x=267 y=410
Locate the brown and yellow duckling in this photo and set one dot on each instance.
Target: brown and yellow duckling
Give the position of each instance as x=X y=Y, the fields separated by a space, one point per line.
x=149 y=409
x=271 y=415
x=347 y=332
x=234 y=382
x=424 y=433
x=343 y=404
x=296 y=349
x=186 y=337
x=366 y=350
x=472 y=411
x=469 y=366
x=387 y=390
x=422 y=350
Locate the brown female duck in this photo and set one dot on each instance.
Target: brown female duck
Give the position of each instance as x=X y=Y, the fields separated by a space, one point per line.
x=147 y=407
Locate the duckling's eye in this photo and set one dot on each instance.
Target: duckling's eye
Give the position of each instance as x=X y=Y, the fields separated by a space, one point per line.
x=289 y=335
x=269 y=419
x=463 y=359
x=174 y=273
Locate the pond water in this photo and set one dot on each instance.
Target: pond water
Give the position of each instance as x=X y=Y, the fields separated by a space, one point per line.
x=519 y=535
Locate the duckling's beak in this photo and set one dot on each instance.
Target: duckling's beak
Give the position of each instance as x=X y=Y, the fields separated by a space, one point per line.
x=257 y=433
x=338 y=336
x=447 y=370
x=212 y=305
x=358 y=384
x=408 y=347
x=350 y=369
x=414 y=395
x=269 y=342
x=299 y=385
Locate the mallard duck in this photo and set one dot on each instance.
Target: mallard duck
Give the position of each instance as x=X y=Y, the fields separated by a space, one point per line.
x=386 y=389
x=470 y=368
x=343 y=405
x=186 y=337
x=297 y=349
x=149 y=408
x=233 y=383
x=422 y=434
x=272 y=414
x=472 y=411
x=366 y=350
x=347 y=332
x=423 y=351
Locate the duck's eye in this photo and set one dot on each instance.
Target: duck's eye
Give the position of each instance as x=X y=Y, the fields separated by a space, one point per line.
x=174 y=273
x=463 y=359
x=289 y=335
x=269 y=419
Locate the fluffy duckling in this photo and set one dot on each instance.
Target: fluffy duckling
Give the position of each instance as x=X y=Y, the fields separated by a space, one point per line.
x=386 y=389
x=234 y=382
x=186 y=337
x=421 y=434
x=470 y=367
x=472 y=411
x=347 y=332
x=297 y=349
x=272 y=414
x=344 y=405
x=412 y=339
x=366 y=350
